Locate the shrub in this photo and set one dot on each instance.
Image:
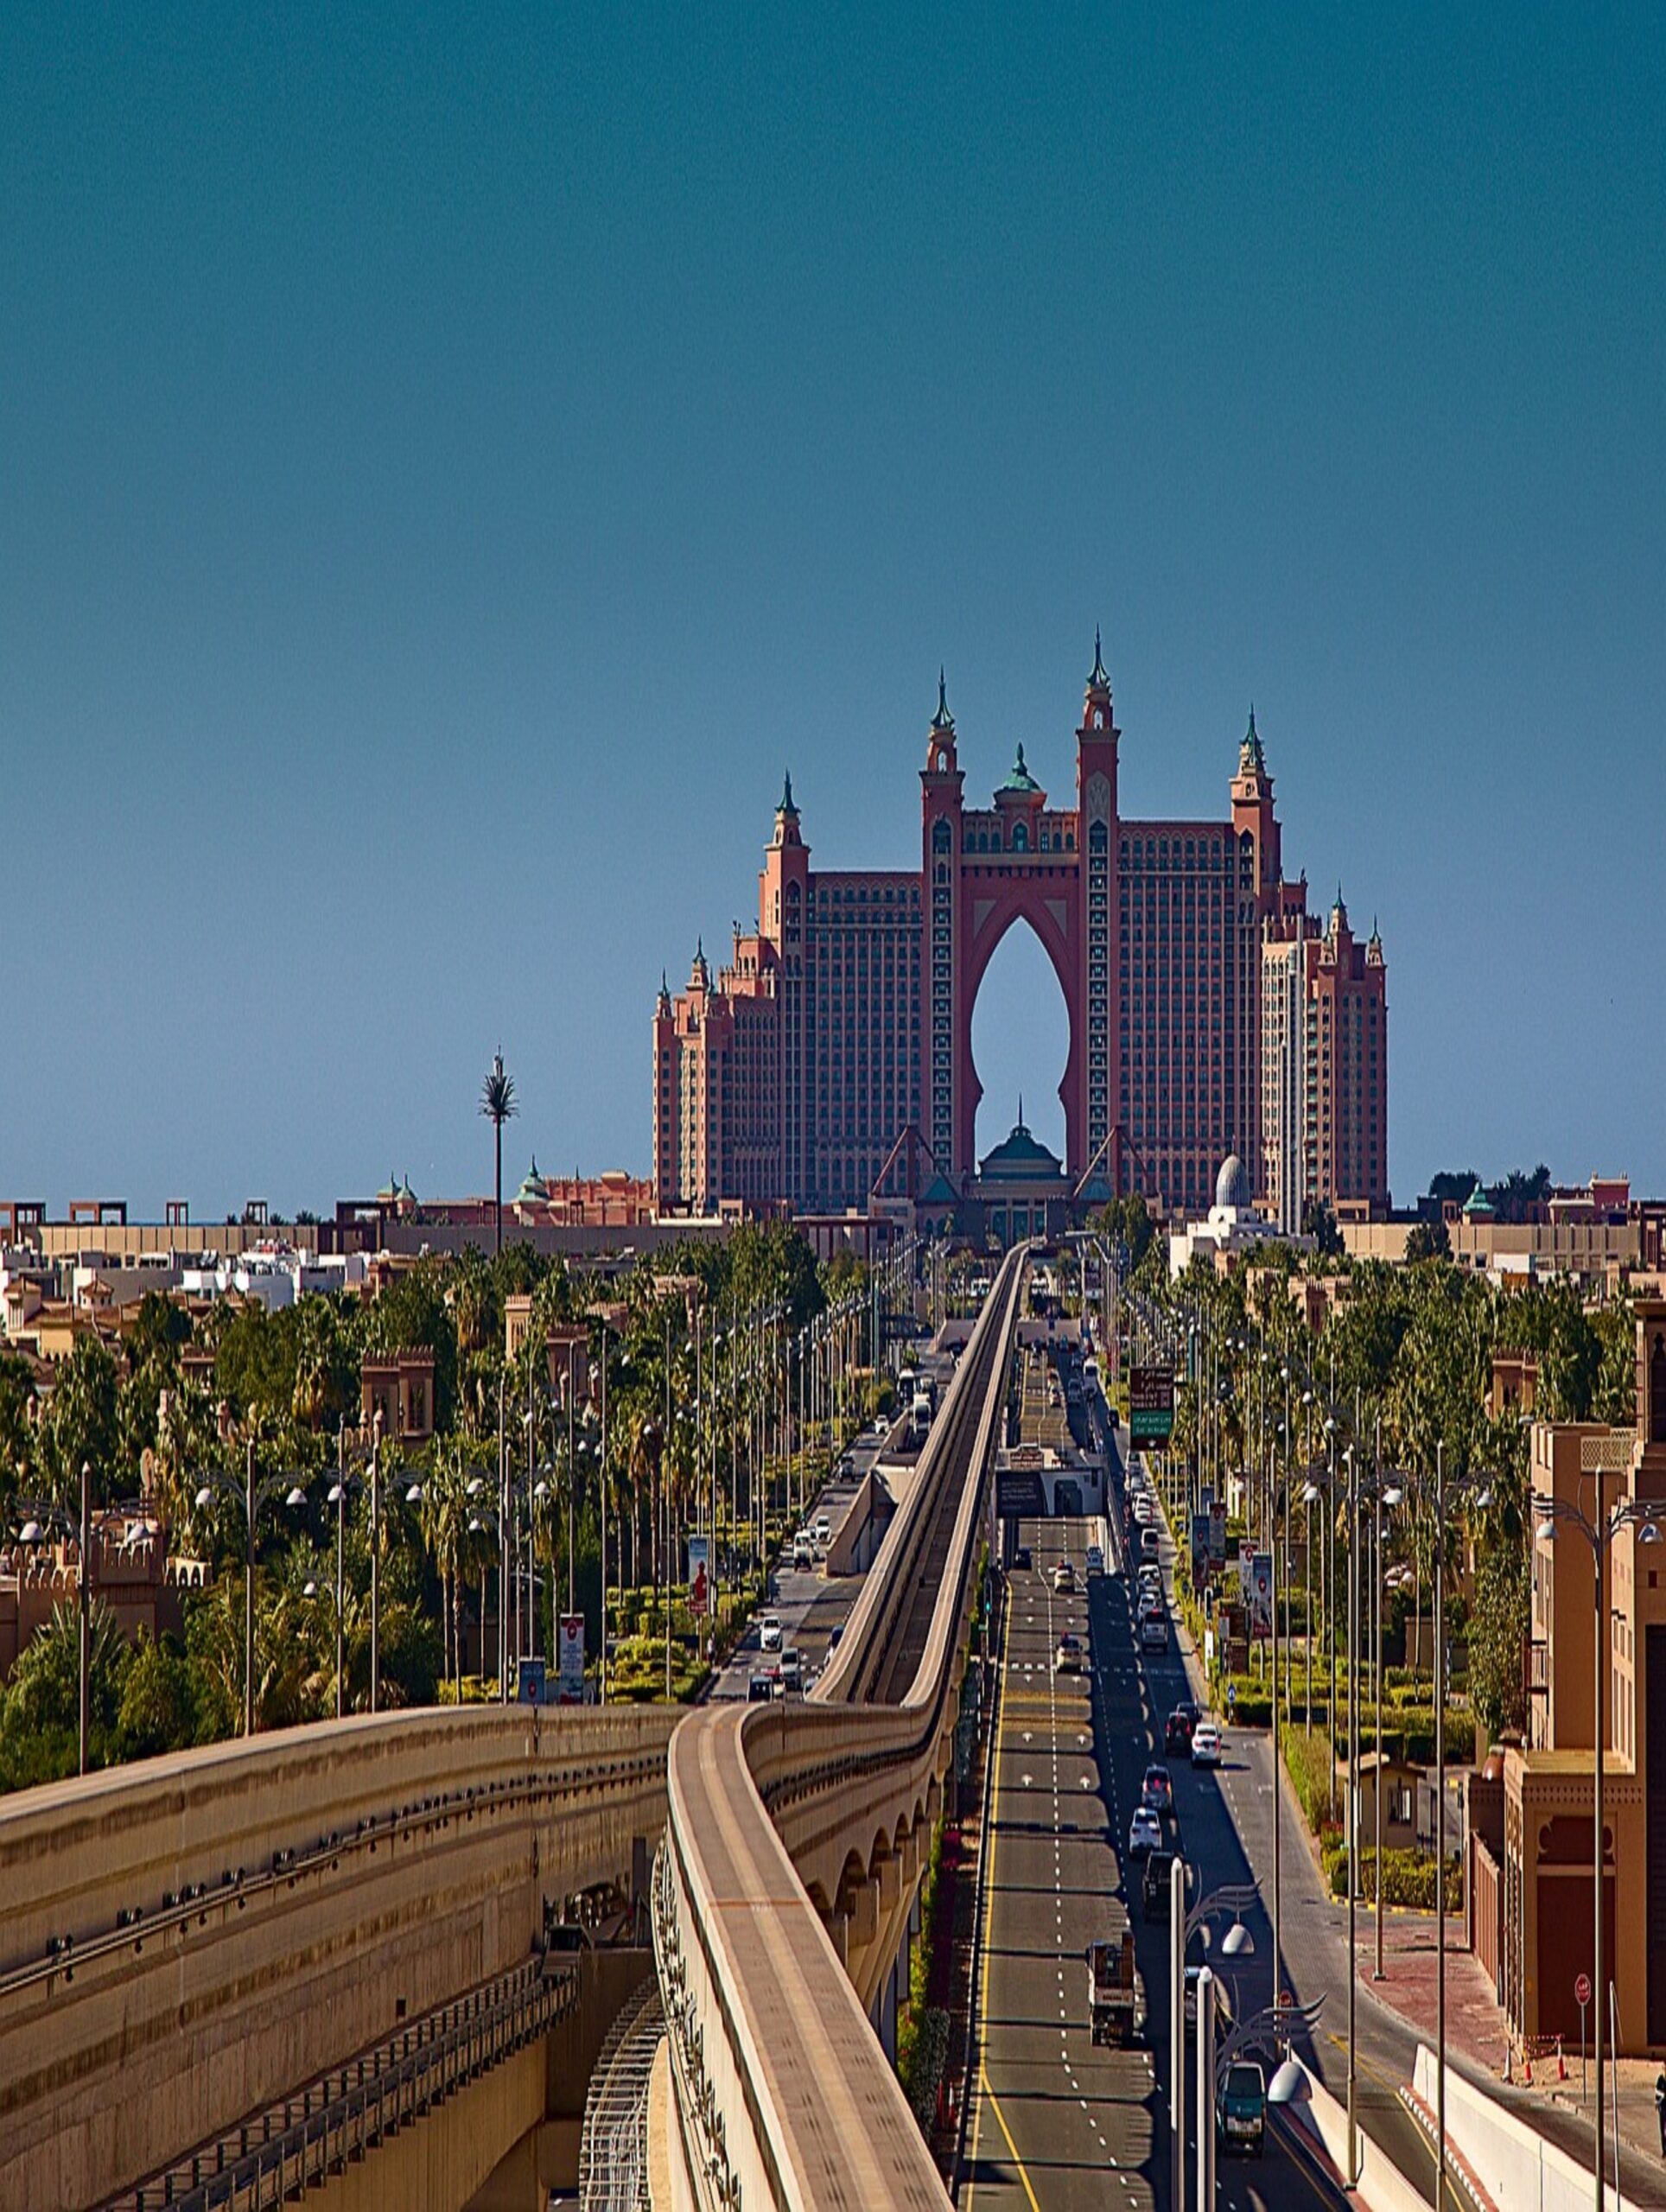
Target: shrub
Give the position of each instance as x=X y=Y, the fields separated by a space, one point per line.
x=1308 y=1762
x=1407 y=1876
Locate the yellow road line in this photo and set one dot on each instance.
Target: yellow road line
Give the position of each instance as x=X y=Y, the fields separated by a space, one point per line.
x=990 y=1824
x=995 y=2106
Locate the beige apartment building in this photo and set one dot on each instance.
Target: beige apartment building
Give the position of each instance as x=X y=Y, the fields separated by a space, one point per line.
x=1537 y=1926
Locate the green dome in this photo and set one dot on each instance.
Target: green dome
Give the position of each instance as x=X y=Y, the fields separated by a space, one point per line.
x=1021 y=778
x=1019 y=1158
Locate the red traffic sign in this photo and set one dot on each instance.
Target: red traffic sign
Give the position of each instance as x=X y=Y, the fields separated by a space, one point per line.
x=1582 y=1990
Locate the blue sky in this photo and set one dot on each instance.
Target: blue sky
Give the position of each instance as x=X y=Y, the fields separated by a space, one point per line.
x=451 y=461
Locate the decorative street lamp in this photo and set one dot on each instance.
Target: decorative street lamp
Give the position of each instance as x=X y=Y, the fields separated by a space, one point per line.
x=1600 y=1456
x=48 y=1520
x=251 y=1495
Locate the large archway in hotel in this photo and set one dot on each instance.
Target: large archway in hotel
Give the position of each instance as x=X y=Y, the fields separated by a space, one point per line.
x=1021 y=1041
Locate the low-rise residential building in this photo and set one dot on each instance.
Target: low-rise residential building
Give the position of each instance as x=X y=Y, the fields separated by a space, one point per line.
x=1592 y=1639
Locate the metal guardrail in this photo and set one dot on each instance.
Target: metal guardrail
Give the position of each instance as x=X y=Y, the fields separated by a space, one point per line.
x=298 y=2143
x=613 y=2152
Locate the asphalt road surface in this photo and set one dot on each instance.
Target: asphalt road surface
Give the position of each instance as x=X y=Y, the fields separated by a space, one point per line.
x=1227 y=1828
x=808 y=1604
x=1053 y=2121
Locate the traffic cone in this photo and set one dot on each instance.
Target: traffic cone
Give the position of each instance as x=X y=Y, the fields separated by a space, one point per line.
x=1562 y=2066
x=1527 y=2054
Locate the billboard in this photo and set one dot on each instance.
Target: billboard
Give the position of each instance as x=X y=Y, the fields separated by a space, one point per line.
x=699 y=1575
x=1150 y=1404
x=1256 y=1571
x=570 y=1687
x=1199 y=1550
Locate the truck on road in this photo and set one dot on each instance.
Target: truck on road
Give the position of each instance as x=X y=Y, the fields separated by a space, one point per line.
x=1113 y=1988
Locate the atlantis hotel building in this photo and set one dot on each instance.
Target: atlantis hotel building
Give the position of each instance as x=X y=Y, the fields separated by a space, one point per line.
x=1210 y=1011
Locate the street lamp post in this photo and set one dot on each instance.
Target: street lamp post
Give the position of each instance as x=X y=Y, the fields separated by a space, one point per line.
x=376 y=1562
x=1235 y=1899
x=1599 y=1456
x=84 y=1606
x=338 y=1498
x=1206 y=2091
x=251 y=1495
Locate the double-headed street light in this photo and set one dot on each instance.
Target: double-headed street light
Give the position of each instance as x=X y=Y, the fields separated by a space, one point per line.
x=52 y=1518
x=337 y=1495
x=1445 y=1491
x=1600 y=1456
x=1237 y=1943
x=251 y=1495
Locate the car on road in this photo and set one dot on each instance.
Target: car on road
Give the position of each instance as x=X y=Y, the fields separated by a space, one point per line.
x=1067 y=1659
x=769 y=1632
x=1021 y=1557
x=1156 y=1884
x=759 y=1689
x=1178 y=1728
x=803 y=1554
x=1064 y=1576
x=1207 y=1743
x=824 y=1528
x=1145 y=1832
x=792 y=1667
x=1157 y=1789
x=1096 y=1560
x=836 y=1635
x=1150 y=1578
x=1147 y=1543
x=1241 y=2107
x=1154 y=1632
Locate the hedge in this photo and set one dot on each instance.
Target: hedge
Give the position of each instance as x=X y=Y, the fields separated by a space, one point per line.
x=1407 y=1876
x=1308 y=1762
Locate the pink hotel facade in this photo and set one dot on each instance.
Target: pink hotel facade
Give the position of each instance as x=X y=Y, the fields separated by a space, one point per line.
x=1208 y=1010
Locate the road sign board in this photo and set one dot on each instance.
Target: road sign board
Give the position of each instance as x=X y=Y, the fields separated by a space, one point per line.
x=1150 y=1404
x=1582 y=1990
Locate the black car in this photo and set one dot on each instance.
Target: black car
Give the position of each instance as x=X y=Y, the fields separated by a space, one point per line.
x=1021 y=1557
x=1156 y=1880
x=1176 y=1729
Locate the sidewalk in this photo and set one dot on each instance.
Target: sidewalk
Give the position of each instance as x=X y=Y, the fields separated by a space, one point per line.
x=1476 y=2028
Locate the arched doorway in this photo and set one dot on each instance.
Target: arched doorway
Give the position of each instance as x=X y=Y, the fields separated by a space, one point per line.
x=1047 y=907
x=1020 y=1036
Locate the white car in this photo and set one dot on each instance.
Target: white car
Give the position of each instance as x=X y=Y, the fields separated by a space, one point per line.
x=1207 y=1743
x=1096 y=1559
x=769 y=1632
x=1064 y=1576
x=1067 y=1659
x=823 y=1530
x=1145 y=1833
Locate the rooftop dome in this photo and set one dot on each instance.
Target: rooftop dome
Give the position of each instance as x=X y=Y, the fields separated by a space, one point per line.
x=1232 y=1185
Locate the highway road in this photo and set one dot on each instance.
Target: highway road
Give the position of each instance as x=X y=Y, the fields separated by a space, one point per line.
x=809 y=1604
x=1054 y=2121
x=1227 y=1829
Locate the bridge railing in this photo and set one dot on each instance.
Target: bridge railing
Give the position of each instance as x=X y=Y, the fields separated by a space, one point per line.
x=187 y=1939
x=783 y=2095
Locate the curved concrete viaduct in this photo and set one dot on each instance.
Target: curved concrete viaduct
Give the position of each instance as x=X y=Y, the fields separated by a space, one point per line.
x=785 y=1890
x=242 y=1917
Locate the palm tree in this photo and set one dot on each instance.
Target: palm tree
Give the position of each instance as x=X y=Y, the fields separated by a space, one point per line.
x=497 y=1104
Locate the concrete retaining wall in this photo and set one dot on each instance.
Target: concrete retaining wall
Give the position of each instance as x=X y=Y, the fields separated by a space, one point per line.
x=1512 y=2162
x=1383 y=2187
